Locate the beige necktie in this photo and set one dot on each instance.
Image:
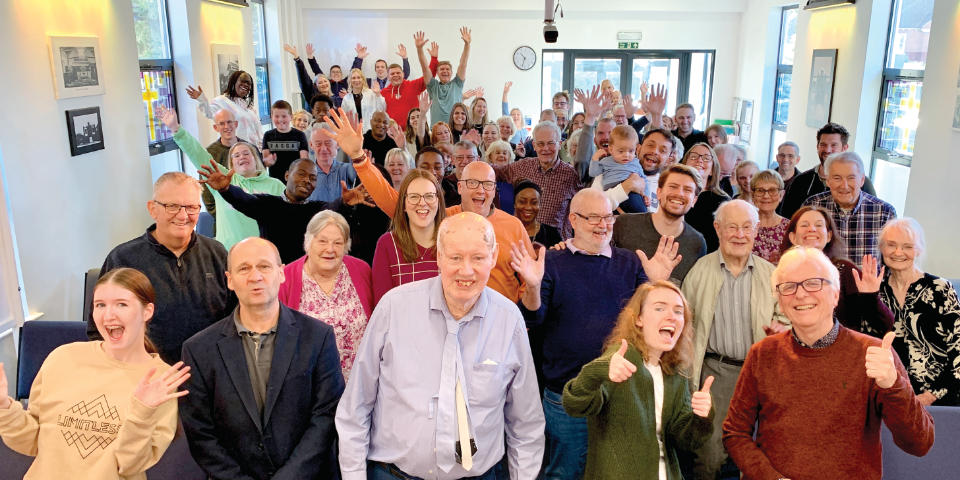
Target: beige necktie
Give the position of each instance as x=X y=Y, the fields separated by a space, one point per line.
x=463 y=429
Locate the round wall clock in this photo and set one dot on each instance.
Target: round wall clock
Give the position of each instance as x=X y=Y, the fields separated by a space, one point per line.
x=524 y=57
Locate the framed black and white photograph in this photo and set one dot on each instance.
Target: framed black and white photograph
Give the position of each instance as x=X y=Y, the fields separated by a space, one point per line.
x=820 y=99
x=77 y=66
x=226 y=60
x=85 y=130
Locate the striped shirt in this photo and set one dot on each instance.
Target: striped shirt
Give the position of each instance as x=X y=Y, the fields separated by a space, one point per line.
x=859 y=227
x=559 y=183
x=391 y=270
x=732 y=332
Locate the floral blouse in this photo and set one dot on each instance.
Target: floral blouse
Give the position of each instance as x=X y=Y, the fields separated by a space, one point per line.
x=341 y=309
x=767 y=244
x=928 y=336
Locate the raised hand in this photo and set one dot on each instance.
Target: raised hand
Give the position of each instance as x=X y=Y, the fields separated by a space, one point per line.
x=868 y=281
x=343 y=93
x=194 y=93
x=465 y=35
x=590 y=102
x=346 y=131
x=375 y=86
x=472 y=135
x=402 y=51
x=152 y=392
x=291 y=49
x=664 y=260
x=5 y=400
x=361 y=51
x=419 y=39
x=700 y=401
x=529 y=267
x=309 y=48
x=423 y=101
x=879 y=362
x=470 y=93
x=393 y=131
x=506 y=88
x=644 y=88
x=355 y=196
x=656 y=101
x=169 y=118
x=521 y=151
x=620 y=368
x=213 y=177
x=434 y=50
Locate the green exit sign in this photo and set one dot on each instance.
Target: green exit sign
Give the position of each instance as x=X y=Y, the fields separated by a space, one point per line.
x=628 y=44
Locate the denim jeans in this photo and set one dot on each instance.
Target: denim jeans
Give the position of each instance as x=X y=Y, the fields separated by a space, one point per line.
x=380 y=471
x=566 y=441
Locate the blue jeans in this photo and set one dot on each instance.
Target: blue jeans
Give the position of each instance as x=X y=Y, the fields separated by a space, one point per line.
x=381 y=471
x=566 y=441
x=634 y=203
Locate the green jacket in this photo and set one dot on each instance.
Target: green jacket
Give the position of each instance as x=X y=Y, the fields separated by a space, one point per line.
x=621 y=423
x=232 y=226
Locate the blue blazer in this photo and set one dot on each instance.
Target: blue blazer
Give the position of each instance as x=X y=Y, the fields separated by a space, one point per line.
x=296 y=439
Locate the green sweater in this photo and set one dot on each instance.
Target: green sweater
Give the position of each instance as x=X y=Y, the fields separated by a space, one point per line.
x=232 y=226
x=621 y=426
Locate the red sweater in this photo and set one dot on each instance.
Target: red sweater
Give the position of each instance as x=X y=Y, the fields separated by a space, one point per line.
x=400 y=100
x=818 y=413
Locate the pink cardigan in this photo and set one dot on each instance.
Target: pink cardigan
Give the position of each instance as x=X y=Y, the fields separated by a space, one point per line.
x=292 y=286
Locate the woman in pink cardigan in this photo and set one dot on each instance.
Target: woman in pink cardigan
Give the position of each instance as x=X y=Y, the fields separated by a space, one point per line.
x=329 y=285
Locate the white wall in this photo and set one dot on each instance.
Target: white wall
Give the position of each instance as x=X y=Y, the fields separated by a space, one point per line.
x=933 y=196
x=503 y=26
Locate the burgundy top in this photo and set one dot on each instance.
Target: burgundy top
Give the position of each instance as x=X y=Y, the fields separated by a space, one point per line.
x=391 y=270
x=767 y=244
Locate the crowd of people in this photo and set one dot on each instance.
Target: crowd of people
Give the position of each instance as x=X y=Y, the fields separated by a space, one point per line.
x=404 y=285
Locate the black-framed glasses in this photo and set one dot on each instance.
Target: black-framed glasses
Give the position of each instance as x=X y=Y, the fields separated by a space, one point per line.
x=415 y=198
x=174 y=208
x=702 y=159
x=472 y=184
x=760 y=192
x=809 y=285
x=596 y=219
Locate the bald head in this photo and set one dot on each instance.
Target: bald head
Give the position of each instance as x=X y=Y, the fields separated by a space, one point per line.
x=468 y=223
x=588 y=197
x=242 y=249
x=479 y=170
x=477 y=188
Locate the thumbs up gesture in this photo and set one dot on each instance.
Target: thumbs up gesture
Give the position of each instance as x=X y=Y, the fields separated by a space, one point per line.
x=879 y=362
x=621 y=368
x=700 y=401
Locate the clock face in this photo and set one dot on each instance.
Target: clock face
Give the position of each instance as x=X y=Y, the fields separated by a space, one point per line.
x=524 y=58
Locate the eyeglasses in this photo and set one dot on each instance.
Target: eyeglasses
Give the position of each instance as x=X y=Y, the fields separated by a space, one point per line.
x=464 y=157
x=809 y=285
x=174 y=208
x=760 y=192
x=734 y=229
x=702 y=159
x=415 y=198
x=473 y=184
x=596 y=219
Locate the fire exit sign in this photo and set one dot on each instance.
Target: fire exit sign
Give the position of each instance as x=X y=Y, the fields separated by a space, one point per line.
x=628 y=44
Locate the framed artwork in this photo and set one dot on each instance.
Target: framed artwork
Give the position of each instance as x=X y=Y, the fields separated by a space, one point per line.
x=77 y=66
x=85 y=130
x=226 y=60
x=746 y=112
x=819 y=100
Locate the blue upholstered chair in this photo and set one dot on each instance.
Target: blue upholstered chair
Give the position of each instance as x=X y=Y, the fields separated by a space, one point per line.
x=37 y=339
x=942 y=462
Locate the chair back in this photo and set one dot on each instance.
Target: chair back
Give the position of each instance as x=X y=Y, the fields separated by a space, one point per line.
x=37 y=339
x=89 y=281
x=941 y=461
x=205 y=224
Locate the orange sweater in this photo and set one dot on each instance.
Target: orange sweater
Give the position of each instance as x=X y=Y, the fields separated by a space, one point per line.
x=506 y=227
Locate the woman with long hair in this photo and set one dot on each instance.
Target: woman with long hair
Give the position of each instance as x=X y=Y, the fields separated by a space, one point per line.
x=361 y=100
x=102 y=409
x=459 y=121
x=237 y=98
x=702 y=157
x=478 y=113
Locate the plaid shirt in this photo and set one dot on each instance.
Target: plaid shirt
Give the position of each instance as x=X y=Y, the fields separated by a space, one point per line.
x=859 y=228
x=559 y=183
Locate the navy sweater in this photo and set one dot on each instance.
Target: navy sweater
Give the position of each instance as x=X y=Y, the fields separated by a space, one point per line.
x=581 y=296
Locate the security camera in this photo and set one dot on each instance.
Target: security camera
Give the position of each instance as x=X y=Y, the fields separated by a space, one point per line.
x=550 y=32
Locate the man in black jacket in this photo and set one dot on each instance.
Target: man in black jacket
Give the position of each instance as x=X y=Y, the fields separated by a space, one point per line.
x=186 y=269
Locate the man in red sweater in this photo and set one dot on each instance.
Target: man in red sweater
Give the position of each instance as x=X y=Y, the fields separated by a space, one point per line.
x=819 y=392
x=401 y=95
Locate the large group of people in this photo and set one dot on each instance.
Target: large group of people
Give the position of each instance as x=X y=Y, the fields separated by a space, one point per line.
x=404 y=285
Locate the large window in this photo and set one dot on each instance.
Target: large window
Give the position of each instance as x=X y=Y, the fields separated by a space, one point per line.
x=156 y=69
x=903 y=72
x=781 y=99
x=260 y=55
x=688 y=75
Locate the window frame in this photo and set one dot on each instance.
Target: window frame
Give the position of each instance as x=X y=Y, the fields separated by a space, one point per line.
x=162 y=64
x=782 y=69
x=263 y=62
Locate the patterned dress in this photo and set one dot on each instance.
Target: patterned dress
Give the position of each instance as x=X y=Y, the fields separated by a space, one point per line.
x=341 y=309
x=767 y=244
x=928 y=336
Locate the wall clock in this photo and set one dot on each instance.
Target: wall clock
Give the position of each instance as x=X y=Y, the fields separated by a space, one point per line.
x=524 y=57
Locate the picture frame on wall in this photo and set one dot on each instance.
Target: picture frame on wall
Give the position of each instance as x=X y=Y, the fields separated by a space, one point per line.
x=77 y=66
x=85 y=130
x=823 y=70
x=226 y=60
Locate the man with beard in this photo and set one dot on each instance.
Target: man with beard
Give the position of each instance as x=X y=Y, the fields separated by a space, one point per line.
x=685 y=116
x=678 y=187
x=654 y=153
x=376 y=139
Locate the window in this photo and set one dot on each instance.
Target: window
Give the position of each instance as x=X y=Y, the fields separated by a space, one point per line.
x=903 y=73
x=781 y=98
x=688 y=75
x=260 y=55
x=156 y=69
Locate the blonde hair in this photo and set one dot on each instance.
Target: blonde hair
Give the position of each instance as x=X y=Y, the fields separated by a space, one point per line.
x=363 y=80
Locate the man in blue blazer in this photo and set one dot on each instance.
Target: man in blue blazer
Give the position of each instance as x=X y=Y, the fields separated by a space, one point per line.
x=265 y=381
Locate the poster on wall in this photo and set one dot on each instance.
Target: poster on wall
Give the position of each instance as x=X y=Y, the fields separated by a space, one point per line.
x=77 y=66
x=820 y=98
x=85 y=130
x=226 y=60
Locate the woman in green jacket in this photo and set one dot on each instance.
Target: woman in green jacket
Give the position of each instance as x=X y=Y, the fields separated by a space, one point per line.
x=252 y=177
x=638 y=417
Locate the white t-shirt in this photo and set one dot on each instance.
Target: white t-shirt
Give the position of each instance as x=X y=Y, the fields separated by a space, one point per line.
x=657 y=375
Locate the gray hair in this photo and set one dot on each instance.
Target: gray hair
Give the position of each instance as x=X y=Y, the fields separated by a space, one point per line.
x=789 y=143
x=913 y=230
x=844 y=157
x=751 y=210
x=178 y=178
x=466 y=145
x=677 y=147
x=547 y=124
x=320 y=221
x=509 y=121
x=801 y=254
x=399 y=152
x=724 y=148
x=498 y=145
x=741 y=150
x=451 y=223
x=585 y=194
